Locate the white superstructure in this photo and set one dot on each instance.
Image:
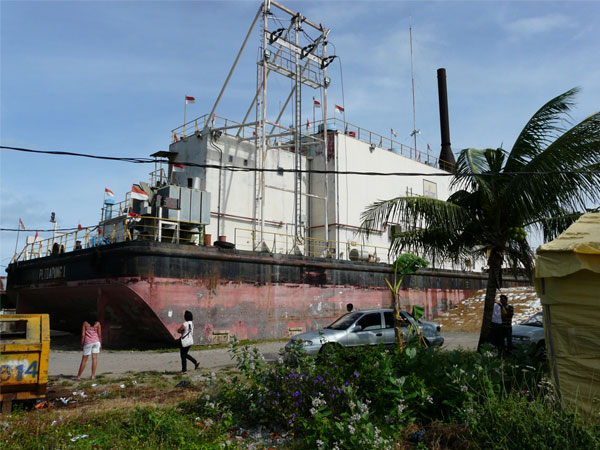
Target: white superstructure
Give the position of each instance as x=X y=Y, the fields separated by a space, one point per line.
x=236 y=212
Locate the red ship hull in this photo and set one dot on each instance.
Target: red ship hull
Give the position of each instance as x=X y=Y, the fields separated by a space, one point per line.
x=140 y=290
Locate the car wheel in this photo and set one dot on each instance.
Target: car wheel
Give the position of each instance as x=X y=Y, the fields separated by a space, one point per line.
x=329 y=349
x=540 y=350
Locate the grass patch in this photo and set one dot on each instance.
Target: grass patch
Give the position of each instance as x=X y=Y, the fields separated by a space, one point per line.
x=365 y=399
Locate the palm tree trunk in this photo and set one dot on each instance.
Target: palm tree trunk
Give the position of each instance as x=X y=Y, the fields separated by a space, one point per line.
x=397 y=321
x=494 y=282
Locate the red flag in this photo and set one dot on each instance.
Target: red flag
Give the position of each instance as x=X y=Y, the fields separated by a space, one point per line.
x=176 y=138
x=36 y=236
x=108 y=192
x=339 y=108
x=138 y=193
x=79 y=227
x=178 y=167
x=133 y=214
x=254 y=133
x=21 y=224
x=317 y=103
x=307 y=124
x=189 y=99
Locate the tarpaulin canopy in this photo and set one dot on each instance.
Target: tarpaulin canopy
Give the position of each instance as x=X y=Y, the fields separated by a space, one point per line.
x=567 y=280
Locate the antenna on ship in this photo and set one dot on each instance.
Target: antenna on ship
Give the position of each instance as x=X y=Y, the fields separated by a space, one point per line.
x=412 y=75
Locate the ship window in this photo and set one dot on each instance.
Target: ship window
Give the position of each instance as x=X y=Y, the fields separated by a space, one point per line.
x=230 y=159
x=245 y=162
x=280 y=171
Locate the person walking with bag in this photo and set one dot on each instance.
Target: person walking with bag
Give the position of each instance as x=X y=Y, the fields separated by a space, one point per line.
x=185 y=342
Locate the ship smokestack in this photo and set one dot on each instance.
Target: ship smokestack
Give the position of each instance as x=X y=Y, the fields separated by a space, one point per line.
x=447 y=160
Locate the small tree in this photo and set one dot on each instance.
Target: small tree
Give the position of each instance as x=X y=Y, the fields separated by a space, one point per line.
x=405 y=264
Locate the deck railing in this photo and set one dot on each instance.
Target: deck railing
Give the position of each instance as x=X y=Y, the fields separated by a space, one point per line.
x=247 y=239
x=148 y=228
x=124 y=228
x=375 y=140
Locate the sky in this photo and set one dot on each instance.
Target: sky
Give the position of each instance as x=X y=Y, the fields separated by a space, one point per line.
x=109 y=78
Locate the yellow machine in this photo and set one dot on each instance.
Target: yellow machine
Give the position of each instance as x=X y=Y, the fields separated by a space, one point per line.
x=24 y=351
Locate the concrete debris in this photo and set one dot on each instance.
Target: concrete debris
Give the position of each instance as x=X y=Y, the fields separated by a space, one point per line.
x=81 y=436
x=467 y=315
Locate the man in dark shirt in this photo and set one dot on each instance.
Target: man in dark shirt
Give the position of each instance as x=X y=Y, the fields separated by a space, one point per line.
x=507 y=315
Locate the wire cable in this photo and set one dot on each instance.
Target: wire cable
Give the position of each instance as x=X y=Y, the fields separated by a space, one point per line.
x=279 y=170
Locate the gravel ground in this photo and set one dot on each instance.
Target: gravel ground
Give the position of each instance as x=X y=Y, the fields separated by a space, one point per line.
x=64 y=361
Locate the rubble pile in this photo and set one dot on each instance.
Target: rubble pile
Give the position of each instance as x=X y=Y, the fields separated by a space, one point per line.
x=466 y=316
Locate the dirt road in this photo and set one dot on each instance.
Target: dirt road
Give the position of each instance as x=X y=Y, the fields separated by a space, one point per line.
x=64 y=363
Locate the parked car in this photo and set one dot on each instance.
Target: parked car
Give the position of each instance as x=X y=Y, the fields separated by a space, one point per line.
x=529 y=335
x=369 y=327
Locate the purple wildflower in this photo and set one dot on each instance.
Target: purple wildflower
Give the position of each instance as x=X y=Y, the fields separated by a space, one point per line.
x=356 y=374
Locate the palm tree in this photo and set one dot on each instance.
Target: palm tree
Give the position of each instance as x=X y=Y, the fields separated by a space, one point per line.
x=543 y=183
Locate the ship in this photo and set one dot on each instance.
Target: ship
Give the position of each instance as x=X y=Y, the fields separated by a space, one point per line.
x=252 y=225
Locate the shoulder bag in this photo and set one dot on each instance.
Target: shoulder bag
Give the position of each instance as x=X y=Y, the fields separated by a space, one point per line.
x=188 y=339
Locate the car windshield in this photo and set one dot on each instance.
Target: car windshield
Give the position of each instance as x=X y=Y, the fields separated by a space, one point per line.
x=345 y=321
x=534 y=321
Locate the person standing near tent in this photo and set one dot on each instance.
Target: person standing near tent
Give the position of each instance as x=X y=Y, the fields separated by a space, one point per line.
x=507 y=312
x=497 y=326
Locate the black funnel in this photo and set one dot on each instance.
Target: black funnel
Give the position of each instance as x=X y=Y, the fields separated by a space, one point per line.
x=447 y=160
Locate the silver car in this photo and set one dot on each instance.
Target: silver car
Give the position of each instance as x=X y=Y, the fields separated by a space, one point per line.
x=529 y=335
x=371 y=327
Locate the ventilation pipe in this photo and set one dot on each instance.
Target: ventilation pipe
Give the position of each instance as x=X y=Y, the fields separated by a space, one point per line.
x=447 y=160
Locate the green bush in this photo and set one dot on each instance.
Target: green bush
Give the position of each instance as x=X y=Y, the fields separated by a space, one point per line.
x=374 y=395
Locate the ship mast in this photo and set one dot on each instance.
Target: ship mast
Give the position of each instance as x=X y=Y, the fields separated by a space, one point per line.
x=412 y=76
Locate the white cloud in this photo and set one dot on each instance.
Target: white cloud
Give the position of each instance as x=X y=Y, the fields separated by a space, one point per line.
x=542 y=24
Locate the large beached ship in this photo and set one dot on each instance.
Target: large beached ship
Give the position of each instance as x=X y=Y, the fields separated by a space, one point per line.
x=252 y=225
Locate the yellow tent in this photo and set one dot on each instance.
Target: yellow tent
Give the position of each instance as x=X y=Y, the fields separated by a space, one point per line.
x=567 y=280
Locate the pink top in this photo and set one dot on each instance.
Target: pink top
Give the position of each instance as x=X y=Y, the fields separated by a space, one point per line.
x=91 y=335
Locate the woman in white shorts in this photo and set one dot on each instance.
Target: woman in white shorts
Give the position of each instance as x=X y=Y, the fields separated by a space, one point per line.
x=91 y=341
